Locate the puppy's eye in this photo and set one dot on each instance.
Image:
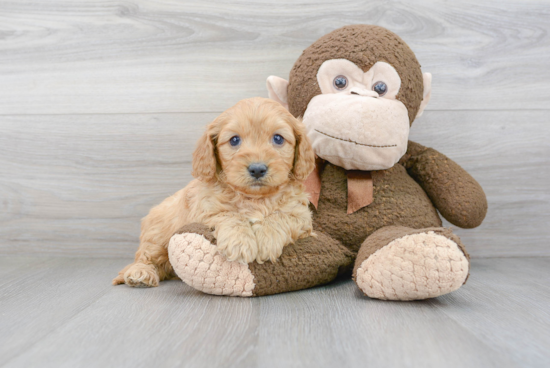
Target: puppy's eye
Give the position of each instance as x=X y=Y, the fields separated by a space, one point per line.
x=278 y=140
x=235 y=141
x=340 y=82
x=380 y=87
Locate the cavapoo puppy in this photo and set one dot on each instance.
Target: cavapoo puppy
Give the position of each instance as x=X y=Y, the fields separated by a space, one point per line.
x=249 y=167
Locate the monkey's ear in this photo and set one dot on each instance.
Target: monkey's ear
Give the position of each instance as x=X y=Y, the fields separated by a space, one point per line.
x=427 y=93
x=277 y=89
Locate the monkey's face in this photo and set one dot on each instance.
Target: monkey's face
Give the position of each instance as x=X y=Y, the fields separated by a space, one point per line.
x=357 y=122
x=358 y=90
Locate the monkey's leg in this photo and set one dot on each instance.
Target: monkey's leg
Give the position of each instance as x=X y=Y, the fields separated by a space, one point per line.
x=309 y=262
x=400 y=263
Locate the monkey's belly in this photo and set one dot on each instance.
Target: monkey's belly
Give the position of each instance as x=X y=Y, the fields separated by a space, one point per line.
x=398 y=200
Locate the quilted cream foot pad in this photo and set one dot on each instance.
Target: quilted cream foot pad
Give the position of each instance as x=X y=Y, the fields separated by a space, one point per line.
x=418 y=266
x=197 y=262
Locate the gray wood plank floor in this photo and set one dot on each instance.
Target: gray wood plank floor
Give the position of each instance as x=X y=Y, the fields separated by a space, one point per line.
x=63 y=312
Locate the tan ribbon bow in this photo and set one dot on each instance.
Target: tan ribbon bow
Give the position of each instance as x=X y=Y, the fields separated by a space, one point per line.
x=360 y=187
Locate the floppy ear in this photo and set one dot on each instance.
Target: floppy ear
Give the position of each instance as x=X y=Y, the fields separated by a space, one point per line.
x=277 y=90
x=204 y=158
x=304 y=159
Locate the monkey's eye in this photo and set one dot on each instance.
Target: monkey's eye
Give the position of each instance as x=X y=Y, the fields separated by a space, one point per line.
x=235 y=141
x=340 y=82
x=380 y=87
x=278 y=140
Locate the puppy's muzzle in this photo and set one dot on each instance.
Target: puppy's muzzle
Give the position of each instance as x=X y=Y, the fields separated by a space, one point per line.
x=257 y=170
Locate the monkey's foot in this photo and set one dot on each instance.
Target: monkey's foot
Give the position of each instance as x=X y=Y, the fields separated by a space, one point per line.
x=412 y=265
x=198 y=263
x=307 y=263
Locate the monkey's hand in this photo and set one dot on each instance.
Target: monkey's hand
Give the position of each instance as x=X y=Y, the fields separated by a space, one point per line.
x=454 y=192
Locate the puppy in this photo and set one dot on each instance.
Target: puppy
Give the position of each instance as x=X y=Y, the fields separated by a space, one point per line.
x=249 y=167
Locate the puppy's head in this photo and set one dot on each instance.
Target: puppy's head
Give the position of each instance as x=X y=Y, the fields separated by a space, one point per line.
x=255 y=147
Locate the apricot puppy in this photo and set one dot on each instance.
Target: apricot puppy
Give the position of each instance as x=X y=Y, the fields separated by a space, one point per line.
x=249 y=166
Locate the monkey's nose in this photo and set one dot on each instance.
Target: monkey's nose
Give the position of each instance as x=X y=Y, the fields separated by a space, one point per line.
x=257 y=170
x=363 y=92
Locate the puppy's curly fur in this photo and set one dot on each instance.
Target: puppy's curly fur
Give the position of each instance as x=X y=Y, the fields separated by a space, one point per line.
x=253 y=218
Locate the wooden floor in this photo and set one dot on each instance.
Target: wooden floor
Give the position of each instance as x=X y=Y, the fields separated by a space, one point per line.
x=63 y=312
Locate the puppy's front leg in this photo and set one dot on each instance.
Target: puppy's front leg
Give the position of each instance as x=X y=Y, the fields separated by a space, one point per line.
x=278 y=230
x=151 y=264
x=235 y=238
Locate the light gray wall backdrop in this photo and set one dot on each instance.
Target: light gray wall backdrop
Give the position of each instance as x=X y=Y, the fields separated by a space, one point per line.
x=101 y=103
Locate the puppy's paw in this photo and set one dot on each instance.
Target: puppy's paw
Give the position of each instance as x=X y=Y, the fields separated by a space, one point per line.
x=270 y=243
x=141 y=275
x=237 y=244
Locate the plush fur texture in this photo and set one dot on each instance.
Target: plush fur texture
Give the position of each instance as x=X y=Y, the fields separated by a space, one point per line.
x=396 y=243
x=355 y=127
x=363 y=45
x=454 y=192
x=401 y=200
x=253 y=218
x=416 y=265
x=308 y=262
x=199 y=264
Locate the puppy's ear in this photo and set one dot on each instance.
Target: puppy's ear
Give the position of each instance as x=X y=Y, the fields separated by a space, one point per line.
x=304 y=159
x=204 y=158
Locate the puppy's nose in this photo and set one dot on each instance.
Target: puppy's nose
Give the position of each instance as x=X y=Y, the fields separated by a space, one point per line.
x=257 y=170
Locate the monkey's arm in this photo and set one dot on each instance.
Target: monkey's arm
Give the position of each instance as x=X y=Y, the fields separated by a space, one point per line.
x=457 y=196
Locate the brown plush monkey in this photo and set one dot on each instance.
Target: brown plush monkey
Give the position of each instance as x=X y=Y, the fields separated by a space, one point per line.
x=374 y=194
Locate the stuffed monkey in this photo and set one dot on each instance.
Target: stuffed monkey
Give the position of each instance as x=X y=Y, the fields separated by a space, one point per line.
x=373 y=194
